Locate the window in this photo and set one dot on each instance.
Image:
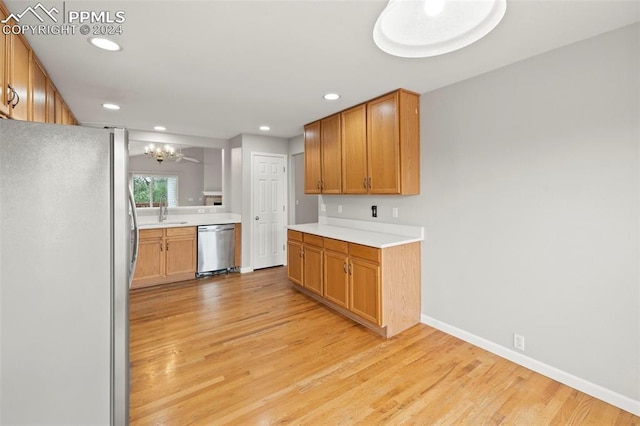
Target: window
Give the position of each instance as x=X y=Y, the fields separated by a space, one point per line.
x=150 y=190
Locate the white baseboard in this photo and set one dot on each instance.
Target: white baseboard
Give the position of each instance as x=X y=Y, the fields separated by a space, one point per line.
x=554 y=373
x=244 y=270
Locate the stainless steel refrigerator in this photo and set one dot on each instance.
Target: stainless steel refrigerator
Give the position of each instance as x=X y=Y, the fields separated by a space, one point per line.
x=67 y=248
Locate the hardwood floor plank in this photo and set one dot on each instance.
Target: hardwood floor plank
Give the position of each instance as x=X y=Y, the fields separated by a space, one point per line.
x=250 y=349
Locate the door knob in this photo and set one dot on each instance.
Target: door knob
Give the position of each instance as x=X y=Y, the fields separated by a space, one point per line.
x=257 y=217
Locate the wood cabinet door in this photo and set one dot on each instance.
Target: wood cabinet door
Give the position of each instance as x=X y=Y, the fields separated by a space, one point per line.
x=295 y=265
x=365 y=289
x=354 y=150
x=58 y=103
x=336 y=279
x=150 y=260
x=313 y=269
x=383 y=143
x=330 y=140
x=51 y=102
x=4 y=76
x=38 y=92
x=312 y=158
x=19 y=77
x=181 y=255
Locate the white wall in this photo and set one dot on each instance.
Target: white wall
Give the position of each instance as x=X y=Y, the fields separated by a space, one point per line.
x=530 y=200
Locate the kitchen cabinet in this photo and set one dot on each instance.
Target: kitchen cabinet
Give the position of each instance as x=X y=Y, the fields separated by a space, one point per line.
x=18 y=78
x=304 y=257
x=354 y=150
x=312 y=159
x=4 y=75
x=379 y=151
x=312 y=261
x=295 y=262
x=38 y=92
x=237 y=255
x=336 y=279
x=165 y=255
x=26 y=91
x=322 y=146
x=393 y=144
x=377 y=287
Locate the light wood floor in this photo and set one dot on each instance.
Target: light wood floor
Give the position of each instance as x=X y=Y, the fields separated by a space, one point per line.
x=248 y=349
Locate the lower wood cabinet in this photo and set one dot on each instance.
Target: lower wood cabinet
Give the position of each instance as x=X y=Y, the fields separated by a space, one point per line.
x=380 y=288
x=165 y=255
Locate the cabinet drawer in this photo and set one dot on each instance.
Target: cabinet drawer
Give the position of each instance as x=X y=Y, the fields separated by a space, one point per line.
x=336 y=245
x=294 y=235
x=364 y=252
x=151 y=233
x=181 y=232
x=312 y=240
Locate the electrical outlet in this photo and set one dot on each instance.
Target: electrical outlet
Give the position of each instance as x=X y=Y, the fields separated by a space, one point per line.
x=518 y=342
x=394 y=212
x=200 y=210
x=339 y=208
x=374 y=211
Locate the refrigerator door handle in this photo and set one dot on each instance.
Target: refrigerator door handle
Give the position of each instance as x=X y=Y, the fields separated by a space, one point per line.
x=136 y=231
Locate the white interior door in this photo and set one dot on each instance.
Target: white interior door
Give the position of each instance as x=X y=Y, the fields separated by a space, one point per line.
x=268 y=210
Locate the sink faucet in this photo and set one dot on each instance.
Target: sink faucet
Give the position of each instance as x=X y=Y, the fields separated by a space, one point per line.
x=164 y=209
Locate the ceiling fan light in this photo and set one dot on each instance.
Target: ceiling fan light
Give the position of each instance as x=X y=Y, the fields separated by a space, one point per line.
x=419 y=29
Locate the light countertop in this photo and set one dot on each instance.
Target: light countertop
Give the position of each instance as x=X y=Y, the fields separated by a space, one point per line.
x=352 y=232
x=174 y=221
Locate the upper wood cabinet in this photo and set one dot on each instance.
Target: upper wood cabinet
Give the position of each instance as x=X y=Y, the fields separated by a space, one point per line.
x=38 y=93
x=18 y=81
x=331 y=155
x=4 y=76
x=26 y=91
x=323 y=159
x=312 y=158
x=379 y=148
x=355 y=172
x=393 y=144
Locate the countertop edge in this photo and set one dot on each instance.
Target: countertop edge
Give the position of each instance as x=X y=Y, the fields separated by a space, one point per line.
x=357 y=236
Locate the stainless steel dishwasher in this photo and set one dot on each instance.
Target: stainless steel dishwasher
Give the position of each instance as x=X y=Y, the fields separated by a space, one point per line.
x=216 y=248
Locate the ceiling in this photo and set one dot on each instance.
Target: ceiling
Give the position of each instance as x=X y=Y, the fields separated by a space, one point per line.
x=221 y=68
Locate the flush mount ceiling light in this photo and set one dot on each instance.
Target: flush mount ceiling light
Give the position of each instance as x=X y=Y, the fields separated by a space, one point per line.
x=105 y=44
x=265 y=128
x=111 y=106
x=331 y=97
x=159 y=128
x=423 y=28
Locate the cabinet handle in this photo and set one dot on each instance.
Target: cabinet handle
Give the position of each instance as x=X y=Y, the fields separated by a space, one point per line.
x=167 y=246
x=350 y=270
x=364 y=183
x=321 y=184
x=345 y=267
x=318 y=184
x=17 y=100
x=12 y=93
x=161 y=247
x=369 y=182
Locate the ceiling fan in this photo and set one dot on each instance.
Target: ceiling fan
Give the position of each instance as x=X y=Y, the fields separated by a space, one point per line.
x=180 y=156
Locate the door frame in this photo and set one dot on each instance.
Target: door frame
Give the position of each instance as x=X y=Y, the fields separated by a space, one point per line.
x=285 y=192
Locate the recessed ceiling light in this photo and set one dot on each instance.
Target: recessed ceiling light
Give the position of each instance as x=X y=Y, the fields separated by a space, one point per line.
x=420 y=29
x=331 y=97
x=105 y=44
x=265 y=128
x=111 y=106
x=160 y=128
